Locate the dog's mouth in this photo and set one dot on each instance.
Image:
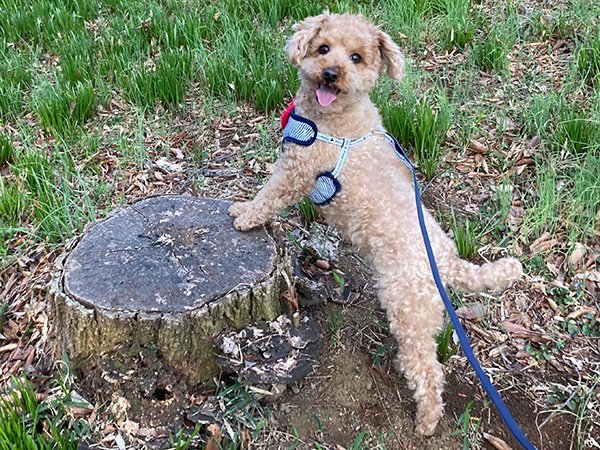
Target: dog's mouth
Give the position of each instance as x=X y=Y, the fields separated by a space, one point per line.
x=326 y=94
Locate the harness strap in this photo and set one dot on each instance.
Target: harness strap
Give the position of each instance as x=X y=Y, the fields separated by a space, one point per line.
x=345 y=145
x=341 y=159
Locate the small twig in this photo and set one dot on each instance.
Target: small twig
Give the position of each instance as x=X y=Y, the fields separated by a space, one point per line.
x=560 y=409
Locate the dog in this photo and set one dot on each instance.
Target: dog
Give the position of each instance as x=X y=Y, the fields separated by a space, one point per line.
x=339 y=59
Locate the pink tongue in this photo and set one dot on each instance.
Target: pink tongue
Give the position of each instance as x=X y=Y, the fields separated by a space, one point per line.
x=326 y=95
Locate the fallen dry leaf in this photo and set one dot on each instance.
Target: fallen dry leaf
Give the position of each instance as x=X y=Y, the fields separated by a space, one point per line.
x=8 y=348
x=577 y=255
x=477 y=147
x=120 y=442
x=474 y=311
x=517 y=330
x=535 y=141
x=496 y=442
x=542 y=244
x=215 y=439
x=581 y=311
x=524 y=162
x=212 y=444
x=594 y=276
x=515 y=217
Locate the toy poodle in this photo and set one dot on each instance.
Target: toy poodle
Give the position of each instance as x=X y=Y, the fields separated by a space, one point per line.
x=336 y=152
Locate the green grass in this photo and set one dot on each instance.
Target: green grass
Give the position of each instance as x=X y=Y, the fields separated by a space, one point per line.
x=543 y=26
x=491 y=51
x=583 y=197
x=308 y=211
x=245 y=68
x=443 y=23
x=420 y=124
x=576 y=401
x=15 y=79
x=468 y=428
x=12 y=205
x=567 y=198
x=76 y=60
x=28 y=424
x=565 y=191
x=464 y=232
x=240 y=412
x=166 y=81
x=49 y=194
x=564 y=125
x=408 y=18
x=183 y=439
x=6 y=149
x=575 y=132
x=543 y=214
x=496 y=37
x=545 y=351
x=63 y=109
x=457 y=25
x=336 y=321
x=446 y=348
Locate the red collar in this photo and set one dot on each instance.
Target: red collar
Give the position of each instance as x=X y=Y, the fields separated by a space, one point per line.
x=286 y=115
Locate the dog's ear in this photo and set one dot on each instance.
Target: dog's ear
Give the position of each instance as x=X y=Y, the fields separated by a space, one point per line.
x=305 y=31
x=392 y=57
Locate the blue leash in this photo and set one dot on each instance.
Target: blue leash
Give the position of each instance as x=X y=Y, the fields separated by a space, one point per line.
x=462 y=336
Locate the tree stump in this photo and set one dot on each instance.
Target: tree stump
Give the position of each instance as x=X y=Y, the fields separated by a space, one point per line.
x=169 y=273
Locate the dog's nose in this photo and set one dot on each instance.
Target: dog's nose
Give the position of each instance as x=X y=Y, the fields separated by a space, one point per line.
x=330 y=75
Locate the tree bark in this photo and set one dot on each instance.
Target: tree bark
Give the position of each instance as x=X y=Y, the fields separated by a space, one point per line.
x=170 y=273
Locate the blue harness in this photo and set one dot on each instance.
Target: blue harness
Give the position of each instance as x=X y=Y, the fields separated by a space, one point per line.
x=299 y=130
x=302 y=131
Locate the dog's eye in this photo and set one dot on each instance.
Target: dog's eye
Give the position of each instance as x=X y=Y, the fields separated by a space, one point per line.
x=323 y=49
x=355 y=58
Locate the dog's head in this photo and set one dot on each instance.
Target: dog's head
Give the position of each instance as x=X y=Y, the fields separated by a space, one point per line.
x=341 y=56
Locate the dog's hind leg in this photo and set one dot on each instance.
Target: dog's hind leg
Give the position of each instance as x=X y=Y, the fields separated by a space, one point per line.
x=416 y=316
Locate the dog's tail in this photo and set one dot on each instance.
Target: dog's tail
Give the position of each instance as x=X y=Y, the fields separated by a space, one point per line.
x=496 y=275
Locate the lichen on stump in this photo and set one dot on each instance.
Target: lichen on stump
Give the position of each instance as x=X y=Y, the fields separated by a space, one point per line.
x=169 y=273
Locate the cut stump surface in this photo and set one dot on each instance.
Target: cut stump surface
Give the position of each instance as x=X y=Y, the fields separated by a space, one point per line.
x=168 y=273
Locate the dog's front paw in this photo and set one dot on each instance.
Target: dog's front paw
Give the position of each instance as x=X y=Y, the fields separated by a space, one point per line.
x=238 y=209
x=245 y=223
